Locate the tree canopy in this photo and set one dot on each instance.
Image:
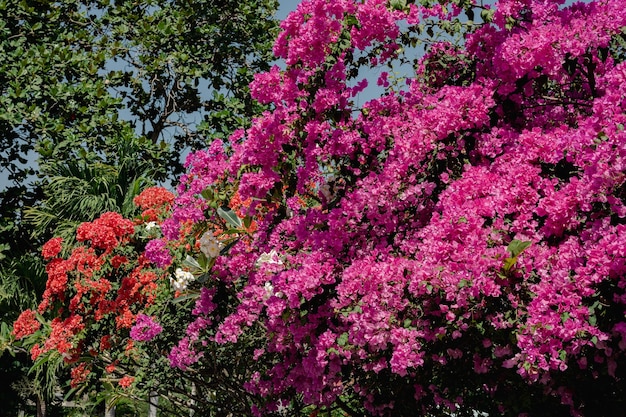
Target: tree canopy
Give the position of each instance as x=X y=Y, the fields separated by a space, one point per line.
x=99 y=100
x=82 y=79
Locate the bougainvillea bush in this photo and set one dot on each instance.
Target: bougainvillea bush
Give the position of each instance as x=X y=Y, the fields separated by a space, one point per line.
x=453 y=246
x=111 y=314
x=99 y=299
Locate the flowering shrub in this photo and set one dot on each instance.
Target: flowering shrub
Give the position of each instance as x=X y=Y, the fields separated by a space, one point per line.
x=114 y=315
x=154 y=202
x=453 y=245
x=96 y=292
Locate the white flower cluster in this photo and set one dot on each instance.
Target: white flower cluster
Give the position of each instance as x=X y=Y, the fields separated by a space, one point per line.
x=181 y=280
x=209 y=245
x=269 y=258
x=269 y=291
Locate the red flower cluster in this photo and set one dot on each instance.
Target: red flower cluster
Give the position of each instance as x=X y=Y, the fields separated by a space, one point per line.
x=61 y=337
x=51 y=248
x=26 y=324
x=79 y=374
x=94 y=284
x=154 y=201
x=56 y=284
x=106 y=232
x=126 y=381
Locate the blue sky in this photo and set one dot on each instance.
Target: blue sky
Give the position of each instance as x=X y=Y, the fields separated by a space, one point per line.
x=285 y=6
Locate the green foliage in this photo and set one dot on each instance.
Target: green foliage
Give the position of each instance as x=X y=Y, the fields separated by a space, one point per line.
x=101 y=99
x=76 y=191
x=85 y=81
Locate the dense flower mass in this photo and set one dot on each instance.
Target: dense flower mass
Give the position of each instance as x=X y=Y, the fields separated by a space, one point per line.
x=106 y=232
x=94 y=297
x=158 y=253
x=154 y=203
x=52 y=248
x=26 y=324
x=460 y=231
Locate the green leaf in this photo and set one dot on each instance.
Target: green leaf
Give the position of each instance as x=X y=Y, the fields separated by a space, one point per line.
x=232 y=232
x=509 y=263
x=186 y=297
x=227 y=247
x=397 y=4
x=203 y=278
x=229 y=216
x=4 y=247
x=593 y=320
x=192 y=264
x=202 y=261
x=286 y=315
x=207 y=193
x=351 y=20
x=517 y=246
x=487 y=15
x=342 y=340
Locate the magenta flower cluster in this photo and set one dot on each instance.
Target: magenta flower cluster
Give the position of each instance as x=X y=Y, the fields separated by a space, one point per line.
x=145 y=328
x=158 y=253
x=469 y=220
x=186 y=352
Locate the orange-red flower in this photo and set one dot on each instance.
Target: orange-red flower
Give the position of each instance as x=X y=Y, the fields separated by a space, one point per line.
x=126 y=381
x=26 y=324
x=154 y=202
x=79 y=374
x=51 y=248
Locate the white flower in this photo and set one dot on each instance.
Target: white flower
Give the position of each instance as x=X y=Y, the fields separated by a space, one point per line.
x=269 y=258
x=185 y=275
x=152 y=225
x=181 y=280
x=209 y=245
x=269 y=291
x=178 y=285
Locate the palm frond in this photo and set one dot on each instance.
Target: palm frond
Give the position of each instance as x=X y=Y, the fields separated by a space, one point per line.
x=21 y=280
x=78 y=191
